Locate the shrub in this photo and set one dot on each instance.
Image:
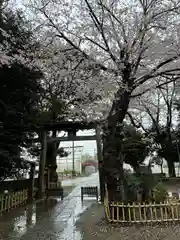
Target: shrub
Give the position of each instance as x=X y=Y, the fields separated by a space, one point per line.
x=159 y=193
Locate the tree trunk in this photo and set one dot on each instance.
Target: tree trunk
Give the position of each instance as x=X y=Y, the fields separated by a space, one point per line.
x=42 y=163
x=111 y=164
x=171 y=168
x=51 y=158
x=136 y=169
x=121 y=183
x=170 y=162
x=161 y=168
x=100 y=163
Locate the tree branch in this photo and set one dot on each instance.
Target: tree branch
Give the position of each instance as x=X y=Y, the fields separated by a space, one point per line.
x=115 y=18
x=62 y=35
x=157 y=86
x=132 y=120
x=152 y=117
x=144 y=78
x=99 y=27
x=97 y=44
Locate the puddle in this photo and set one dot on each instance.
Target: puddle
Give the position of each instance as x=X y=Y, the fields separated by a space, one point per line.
x=70 y=232
x=17 y=222
x=52 y=220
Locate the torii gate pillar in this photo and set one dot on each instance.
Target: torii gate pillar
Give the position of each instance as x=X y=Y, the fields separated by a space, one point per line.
x=42 y=163
x=100 y=163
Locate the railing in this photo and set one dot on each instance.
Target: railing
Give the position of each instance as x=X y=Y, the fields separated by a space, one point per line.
x=53 y=185
x=10 y=201
x=142 y=213
x=90 y=191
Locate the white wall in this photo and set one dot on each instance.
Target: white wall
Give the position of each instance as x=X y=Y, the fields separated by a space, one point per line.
x=157 y=169
x=89 y=170
x=67 y=165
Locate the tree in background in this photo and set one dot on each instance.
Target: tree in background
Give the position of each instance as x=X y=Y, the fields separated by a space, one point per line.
x=19 y=89
x=159 y=111
x=135 y=147
x=156 y=160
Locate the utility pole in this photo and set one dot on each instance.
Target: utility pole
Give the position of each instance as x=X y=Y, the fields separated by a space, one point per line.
x=73 y=164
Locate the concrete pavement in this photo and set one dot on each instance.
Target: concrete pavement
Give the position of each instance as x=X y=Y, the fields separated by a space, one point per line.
x=82 y=180
x=52 y=220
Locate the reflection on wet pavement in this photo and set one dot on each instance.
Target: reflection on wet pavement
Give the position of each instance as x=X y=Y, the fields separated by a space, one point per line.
x=51 y=220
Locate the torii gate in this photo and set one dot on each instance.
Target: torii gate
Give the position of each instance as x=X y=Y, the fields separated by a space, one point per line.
x=71 y=128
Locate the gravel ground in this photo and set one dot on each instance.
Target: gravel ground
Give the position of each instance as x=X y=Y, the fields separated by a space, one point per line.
x=92 y=224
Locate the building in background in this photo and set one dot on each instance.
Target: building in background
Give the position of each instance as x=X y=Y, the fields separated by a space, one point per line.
x=66 y=165
x=72 y=162
x=157 y=169
x=89 y=169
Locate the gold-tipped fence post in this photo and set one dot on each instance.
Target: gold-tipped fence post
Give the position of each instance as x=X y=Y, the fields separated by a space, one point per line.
x=142 y=213
x=12 y=200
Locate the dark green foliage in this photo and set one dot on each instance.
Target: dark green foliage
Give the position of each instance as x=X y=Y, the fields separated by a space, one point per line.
x=19 y=91
x=144 y=184
x=35 y=150
x=134 y=147
x=159 y=192
x=167 y=146
x=170 y=145
x=61 y=152
x=16 y=36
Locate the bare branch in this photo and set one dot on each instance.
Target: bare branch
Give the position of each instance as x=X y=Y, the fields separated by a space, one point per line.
x=133 y=121
x=154 y=72
x=152 y=117
x=62 y=35
x=99 y=27
x=158 y=86
x=97 y=44
x=116 y=19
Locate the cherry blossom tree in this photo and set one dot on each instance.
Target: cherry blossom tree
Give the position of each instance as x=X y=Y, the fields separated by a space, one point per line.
x=67 y=81
x=68 y=90
x=158 y=119
x=129 y=42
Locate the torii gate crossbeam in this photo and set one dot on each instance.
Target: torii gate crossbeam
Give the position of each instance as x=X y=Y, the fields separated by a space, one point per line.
x=72 y=137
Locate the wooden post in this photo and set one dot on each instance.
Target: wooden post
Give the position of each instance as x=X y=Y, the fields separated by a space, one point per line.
x=48 y=178
x=82 y=194
x=42 y=165
x=100 y=163
x=31 y=184
x=97 y=195
x=29 y=215
x=73 y=163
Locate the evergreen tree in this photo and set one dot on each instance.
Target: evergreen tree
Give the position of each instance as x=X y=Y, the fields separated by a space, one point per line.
x=19 y=89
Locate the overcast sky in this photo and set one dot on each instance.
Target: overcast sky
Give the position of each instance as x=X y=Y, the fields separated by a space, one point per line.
x=87 y=146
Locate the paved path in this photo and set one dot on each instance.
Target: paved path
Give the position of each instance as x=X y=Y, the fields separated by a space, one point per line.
x=82 y=180
x=54 y=220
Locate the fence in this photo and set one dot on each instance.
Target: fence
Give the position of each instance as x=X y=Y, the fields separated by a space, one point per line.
x=53 y=185
x=90 y=191
x=142 y=213
x=16 y=185
x=10 y=201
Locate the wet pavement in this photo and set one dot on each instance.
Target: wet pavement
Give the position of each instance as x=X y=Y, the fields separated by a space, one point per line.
x=51 y=220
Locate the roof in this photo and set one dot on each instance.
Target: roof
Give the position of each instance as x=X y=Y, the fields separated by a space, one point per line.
x=90 y=163
x=69 y=125
x=30 y=162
